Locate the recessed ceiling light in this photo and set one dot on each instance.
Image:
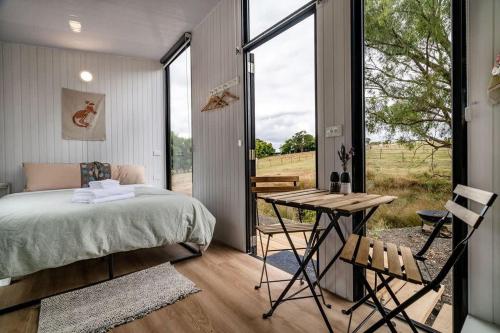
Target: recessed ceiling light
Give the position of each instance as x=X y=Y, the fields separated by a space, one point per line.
x=75 y=26
x=86 y=76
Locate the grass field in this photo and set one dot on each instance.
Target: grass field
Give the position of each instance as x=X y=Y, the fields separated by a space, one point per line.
x=418 y=179
x=302 y=165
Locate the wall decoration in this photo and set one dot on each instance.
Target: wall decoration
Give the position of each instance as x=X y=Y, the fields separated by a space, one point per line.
x=83 y=115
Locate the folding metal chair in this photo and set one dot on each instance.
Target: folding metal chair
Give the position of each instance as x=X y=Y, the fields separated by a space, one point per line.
x=389 y=262
x=270 y=230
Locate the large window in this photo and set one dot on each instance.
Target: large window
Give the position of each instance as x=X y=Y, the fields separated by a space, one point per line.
x=412 y=128
x=408 y=126
x=181 y=154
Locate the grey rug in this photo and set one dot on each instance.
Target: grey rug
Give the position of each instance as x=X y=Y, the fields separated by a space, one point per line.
x=286 y=261
x=101 y=307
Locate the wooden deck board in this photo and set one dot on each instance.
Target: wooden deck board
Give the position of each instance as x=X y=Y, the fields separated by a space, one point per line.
x=444 y=319
x=419 y=310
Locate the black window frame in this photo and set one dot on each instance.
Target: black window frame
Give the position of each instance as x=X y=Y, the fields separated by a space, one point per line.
x=172 y=54
x=284 y=24
x=459 y=137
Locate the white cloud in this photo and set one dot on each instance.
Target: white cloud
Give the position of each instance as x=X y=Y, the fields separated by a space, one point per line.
x=284 y=84
x=180 y=94
x=284 y=77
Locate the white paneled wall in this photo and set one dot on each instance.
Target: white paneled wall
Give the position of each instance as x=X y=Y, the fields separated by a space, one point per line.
x=484 y=158
x=31 y=78
x=219 y=162
x=334 y=108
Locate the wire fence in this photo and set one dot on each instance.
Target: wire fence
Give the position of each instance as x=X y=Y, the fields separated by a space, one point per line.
x=285 y=159
x=421 y=154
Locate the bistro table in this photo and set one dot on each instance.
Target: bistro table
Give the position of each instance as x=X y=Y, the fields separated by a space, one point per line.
x=334 y=206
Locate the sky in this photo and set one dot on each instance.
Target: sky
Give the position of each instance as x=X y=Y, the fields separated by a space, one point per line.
x=284 y=77
x=180 y=94
x=284 y=73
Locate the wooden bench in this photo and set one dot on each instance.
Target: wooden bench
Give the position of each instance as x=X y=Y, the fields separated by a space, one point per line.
x=269 y=184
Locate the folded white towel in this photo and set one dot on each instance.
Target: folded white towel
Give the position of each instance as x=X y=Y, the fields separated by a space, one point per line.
x=101 y=184
x=101 y=193
x=82 y=199
x=91 y=195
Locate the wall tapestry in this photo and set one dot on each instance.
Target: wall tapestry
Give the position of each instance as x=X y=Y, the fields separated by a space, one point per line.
x=83 y=115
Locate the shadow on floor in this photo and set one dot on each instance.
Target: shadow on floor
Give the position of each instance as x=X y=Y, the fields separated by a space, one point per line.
x=286 y=261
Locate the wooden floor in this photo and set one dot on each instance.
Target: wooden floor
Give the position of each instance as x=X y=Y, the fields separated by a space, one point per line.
x=279 y=241
x=228 y=301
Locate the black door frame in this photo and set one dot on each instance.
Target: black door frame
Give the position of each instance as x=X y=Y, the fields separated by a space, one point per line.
x=172 y=54
x=248 y=45
x=459 y=136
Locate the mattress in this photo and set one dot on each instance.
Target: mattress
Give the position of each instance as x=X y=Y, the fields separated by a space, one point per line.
x=40 y=230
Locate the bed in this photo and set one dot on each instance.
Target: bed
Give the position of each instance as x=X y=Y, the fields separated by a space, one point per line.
x=44 y=229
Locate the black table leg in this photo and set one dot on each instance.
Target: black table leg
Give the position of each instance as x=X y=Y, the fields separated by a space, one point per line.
x=302 y=269
x=111 y=265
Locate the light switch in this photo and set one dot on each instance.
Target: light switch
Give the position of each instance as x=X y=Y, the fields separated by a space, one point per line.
x=333 y=131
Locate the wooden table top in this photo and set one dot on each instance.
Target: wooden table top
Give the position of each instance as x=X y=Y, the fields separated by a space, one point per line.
x=321 y=200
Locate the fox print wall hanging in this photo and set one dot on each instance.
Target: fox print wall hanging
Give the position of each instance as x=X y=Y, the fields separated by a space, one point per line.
x=83 y=115
x=80 y=117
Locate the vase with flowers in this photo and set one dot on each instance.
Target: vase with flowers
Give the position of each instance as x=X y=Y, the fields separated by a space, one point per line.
x=494 y=86
x=345 y=178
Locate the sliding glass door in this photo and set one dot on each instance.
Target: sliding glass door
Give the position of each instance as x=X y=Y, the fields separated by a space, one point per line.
x=180 y=148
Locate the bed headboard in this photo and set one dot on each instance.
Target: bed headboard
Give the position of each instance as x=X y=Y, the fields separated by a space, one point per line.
x=55 y=176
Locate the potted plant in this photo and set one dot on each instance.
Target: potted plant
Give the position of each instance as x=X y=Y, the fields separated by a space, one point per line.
x=345 y=177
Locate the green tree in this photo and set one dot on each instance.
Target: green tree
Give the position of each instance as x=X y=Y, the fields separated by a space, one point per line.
x=181 y=153
x=298 y=143
x=263 y=148
x=407 y=70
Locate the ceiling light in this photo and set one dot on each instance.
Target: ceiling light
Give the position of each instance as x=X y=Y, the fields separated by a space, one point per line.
x=75 y=26
x=86 y=76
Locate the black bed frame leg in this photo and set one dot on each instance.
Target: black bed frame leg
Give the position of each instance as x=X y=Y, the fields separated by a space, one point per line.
x=194 y=251
x=111 y=265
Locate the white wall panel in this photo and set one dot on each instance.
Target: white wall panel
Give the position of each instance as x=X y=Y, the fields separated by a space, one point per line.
x=219 y=163
x=31 y=78
x=334 y=108
x=484 y=158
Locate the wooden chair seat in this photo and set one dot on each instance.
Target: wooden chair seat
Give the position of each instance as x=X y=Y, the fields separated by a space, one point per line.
x=382 y=257
x=273 y=229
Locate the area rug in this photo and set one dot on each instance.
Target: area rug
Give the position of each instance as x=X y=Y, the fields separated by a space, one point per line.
x=101 y=307
x=286 y=261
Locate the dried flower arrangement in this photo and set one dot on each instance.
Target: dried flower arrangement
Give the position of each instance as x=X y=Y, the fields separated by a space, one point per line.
x=345 y=156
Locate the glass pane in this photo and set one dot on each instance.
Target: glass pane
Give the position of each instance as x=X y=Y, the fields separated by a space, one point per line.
x=181 y=154
x=285 y=113
x=266 y=13
x=408 y=128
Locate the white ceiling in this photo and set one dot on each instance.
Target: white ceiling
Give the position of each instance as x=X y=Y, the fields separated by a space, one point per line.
x=142 y=28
